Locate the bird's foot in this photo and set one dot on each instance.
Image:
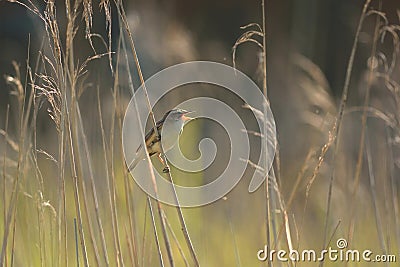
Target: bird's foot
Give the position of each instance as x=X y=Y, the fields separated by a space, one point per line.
x=166 y=169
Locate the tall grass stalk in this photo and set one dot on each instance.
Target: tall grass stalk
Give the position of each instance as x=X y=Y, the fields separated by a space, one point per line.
x=338 y=121
x=153 y=223
x=110 y=190
x=265 y=92
x=131 y=237
x=372 y=180
x=169 y=176
x=159 y=208
x=273 y=197
x=362 y=142
x=4 y=183
x=18 y=91
x=171 y=230
x=95 y=200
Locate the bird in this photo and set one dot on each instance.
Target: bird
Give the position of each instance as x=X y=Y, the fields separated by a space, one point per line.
x=175 y=120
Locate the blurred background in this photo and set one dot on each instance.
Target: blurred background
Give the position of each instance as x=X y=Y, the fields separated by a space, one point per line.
x=308 y=48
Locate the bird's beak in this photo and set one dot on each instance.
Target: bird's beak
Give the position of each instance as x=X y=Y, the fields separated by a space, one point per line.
x=187 y=118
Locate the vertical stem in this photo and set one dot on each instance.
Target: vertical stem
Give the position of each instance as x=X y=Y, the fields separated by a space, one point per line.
x=363 y=127
x=113 y=183
x=12 y=208
x=72 y=125
x=393 y=185
x=155 y=232
x=339 y=118
x=4 y=181
x=93 y=190
x=265 y=92
x=264 y=26
x=169 y=177
x=108 y=185
x=76 y=243
x=153 y=180
x=375 y=203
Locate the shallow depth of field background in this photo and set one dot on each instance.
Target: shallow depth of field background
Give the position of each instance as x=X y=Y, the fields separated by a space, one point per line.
x=309 y=43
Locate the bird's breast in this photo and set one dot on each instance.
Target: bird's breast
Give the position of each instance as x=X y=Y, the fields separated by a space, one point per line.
x=170 y=134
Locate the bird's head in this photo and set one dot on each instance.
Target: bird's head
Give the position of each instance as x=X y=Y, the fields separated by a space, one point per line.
x=178 y=114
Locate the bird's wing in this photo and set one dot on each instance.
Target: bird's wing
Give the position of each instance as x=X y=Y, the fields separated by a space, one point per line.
x=149 y=136
x=159 y=126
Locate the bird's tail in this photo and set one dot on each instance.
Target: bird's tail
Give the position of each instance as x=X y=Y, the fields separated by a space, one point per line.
x=138 y=157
